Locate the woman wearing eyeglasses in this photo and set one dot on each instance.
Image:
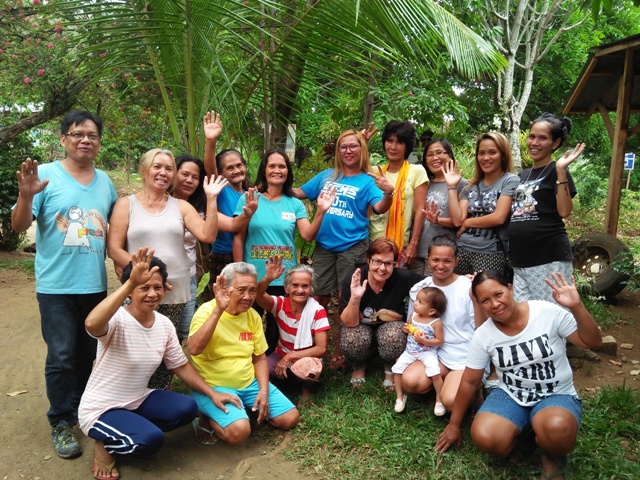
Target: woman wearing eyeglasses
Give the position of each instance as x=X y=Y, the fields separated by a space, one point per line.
x=372 y=311
x=435 y=157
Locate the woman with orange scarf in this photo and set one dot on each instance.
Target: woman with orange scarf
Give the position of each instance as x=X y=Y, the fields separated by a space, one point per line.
x=409 y=196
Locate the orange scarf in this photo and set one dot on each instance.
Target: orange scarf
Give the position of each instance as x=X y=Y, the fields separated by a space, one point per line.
x=395 y=225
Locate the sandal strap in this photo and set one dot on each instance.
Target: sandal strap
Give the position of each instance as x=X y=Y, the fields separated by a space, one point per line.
x=106 y=466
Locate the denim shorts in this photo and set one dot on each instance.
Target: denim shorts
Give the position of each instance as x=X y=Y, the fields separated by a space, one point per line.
x=500 y=403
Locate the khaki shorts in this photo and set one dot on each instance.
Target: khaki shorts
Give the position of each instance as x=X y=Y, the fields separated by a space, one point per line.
x=332 y=267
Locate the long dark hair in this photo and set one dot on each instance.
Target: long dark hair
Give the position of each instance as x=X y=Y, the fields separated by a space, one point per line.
x=198 y=198
x=261 y=177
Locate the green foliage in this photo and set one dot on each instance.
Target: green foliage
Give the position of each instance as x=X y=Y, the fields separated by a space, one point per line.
x=591 y=178
x=23 y=264
x=11 y=157
x=602 y=313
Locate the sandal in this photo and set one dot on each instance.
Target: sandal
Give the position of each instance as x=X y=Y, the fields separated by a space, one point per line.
x=105 y=466
x=561 y=472
x=387 y=384
x=337 y=362
x=358 y=382
x=212 y=437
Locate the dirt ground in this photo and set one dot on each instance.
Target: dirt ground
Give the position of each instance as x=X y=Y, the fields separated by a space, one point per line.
x=26 y=451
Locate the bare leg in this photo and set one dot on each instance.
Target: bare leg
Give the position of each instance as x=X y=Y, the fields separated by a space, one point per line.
x=287 y=420
x=437 y=382
x=415 y=380
x=235 y=433
x=556 y=430
x=397 y=380
x=493 y=434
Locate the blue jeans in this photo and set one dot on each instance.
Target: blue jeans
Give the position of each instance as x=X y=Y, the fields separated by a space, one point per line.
x=188 y=311
x=70 y=351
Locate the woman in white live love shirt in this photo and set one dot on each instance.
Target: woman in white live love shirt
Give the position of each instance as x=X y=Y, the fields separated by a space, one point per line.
x=526 y=342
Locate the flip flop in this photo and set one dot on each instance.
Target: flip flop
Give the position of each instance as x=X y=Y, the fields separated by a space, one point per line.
x=213 y=438
x=561 y=465
x=107 y=466
x=387 y=384
x=337 y=362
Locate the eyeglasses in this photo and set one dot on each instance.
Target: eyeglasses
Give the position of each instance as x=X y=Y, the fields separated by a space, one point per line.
x=439 y=153
x=77 y=136
x=376 y=262
x=352 y=147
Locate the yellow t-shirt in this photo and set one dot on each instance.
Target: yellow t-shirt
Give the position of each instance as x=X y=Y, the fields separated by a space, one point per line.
x=227 y=360
x=416 y=176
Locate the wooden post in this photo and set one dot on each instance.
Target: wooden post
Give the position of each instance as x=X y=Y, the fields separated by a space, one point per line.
x=619 y=145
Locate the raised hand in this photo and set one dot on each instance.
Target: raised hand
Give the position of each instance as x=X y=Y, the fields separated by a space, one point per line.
x=221 y=292
x=213 y=185
x=326 y=198
x=564 y=293
x=357 y=290
x=140 y=261
x=569 y=157
x=274 y=267
x=431 y=212
x=29 y=183
x=251 y=198
x=382 y=182
x=212 y=126
x=369 y=132
x=452 y=175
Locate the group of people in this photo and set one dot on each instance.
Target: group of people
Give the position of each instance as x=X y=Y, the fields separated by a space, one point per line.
x=420 y=259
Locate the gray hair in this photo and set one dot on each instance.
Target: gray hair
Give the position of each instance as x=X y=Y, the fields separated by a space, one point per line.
x=301 y=268
x=238 y=268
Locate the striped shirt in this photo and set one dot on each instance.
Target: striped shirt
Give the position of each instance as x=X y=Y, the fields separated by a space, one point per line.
x=288 y=324
x=126 y=358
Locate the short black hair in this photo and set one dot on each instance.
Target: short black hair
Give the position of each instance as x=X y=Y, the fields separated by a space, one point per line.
x=78 y=117
x=446 y=146
x=488 y=275
x=404 y=131
x=155 y=262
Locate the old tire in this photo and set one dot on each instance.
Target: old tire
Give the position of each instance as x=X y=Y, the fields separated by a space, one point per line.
x=593 y=255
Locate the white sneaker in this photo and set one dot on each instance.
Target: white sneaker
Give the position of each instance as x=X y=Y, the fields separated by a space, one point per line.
x=439 y=409
x=400 y=404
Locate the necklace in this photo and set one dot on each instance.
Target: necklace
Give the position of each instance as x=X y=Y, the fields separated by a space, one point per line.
x=154 y=210
x=540 y=175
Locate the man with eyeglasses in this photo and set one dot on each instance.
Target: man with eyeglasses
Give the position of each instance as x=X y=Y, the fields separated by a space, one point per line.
x=71 y=202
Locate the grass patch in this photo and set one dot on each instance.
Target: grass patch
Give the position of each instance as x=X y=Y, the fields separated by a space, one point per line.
x=608 y=441
x=349 y=434
x=22 y=264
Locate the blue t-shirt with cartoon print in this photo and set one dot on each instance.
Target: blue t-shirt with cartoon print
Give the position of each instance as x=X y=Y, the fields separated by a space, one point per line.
x=71 y=238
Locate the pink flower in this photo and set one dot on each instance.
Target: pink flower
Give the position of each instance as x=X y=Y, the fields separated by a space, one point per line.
x=64 y=39
x=38 y=41
x=41 y=71
x=103 y=54
x=34 y=25
x=27 y=80
x=411 y=94
x=50 y=45
x=1 y=51
x=57 y=35
x=36 y=2
x=58 y=28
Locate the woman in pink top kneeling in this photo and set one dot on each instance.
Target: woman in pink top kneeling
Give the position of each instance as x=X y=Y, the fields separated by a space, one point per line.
x=118 y=410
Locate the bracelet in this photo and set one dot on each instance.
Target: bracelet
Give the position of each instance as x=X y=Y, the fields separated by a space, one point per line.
x=210 y=216
x=389 y=195
x=452 y=188
x=562 y=183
